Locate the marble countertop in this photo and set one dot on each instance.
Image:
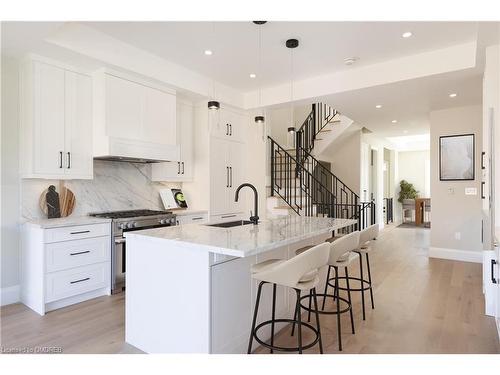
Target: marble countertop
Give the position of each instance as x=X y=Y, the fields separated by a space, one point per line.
x=246 y=240
x=67 y=221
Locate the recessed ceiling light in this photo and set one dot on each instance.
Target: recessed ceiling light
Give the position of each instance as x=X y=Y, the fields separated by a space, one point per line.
x=378 y=106
x=453 y=95
x=407 y=34
x=253 y=75
x=394 y=121
x=208 y=52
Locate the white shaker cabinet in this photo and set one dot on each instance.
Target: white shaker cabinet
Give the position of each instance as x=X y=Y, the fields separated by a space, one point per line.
x=228 y=124
x=226 y=168
x=56 y=122
x=181 y=170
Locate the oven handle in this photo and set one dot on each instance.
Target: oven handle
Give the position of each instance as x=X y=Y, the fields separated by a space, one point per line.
x=119 y=240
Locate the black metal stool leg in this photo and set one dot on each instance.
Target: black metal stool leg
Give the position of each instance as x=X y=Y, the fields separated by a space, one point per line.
x=295 y=318
x=349 y=297
x=336 y=293
x=256 y=310
x=273 y=316
x=326 y=287
x=309 y=313
x=299 y=322
x=362 y=276
x=317 y=319
x=369 y=279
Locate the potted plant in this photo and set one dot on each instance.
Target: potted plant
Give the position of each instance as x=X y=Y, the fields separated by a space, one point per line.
x=407 y=191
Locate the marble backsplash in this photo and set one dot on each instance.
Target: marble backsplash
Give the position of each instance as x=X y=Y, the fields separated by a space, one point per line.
x=116 y=186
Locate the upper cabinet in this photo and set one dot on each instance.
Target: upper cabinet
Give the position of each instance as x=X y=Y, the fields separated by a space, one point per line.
x=133 y=119
x=227 y=124
x=181 y=170
x=56 y=121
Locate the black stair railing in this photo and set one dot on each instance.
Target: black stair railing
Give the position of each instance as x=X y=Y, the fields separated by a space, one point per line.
x=315 y=191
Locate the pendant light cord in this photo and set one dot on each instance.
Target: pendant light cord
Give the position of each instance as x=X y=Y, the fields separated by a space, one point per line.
x=291 y=87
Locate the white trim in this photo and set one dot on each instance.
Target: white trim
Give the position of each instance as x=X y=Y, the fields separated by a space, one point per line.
x=455 y=254
x=498 y=326
x=10 y=294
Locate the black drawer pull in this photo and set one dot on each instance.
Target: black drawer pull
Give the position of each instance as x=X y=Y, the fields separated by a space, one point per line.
x=81 y=232
x=227 y=216
x=79 y=281
x=197 y=218
x=80 y=252
x=493 y=262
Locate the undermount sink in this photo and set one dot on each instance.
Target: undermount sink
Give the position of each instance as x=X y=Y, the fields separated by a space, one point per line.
x=230 y=224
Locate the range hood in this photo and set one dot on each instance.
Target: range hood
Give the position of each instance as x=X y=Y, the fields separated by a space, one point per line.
x=134 y=151
x=128 y=159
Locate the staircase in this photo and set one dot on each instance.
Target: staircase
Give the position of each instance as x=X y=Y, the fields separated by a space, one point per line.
x=301 y=184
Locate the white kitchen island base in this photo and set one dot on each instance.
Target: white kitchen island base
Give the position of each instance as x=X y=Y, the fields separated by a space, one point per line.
x=184 y=298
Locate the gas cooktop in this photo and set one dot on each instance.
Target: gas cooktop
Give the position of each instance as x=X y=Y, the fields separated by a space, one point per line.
x=129 y=214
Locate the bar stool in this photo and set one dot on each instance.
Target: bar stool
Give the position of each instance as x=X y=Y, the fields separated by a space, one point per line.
x=341 y=256
x=299 y=273
x=368 y=234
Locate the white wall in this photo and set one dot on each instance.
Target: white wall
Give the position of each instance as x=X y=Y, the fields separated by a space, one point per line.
x=279 y=120
x=10 y=175
x=454 y=213
x=412 y=168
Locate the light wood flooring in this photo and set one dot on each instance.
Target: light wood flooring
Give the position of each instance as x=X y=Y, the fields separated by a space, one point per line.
x=421 y=306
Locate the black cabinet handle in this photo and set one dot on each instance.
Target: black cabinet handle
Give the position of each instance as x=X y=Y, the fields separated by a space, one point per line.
x=230 y=129
x=227 y=216
x=79 y=281
x=482 y=190
x=178 y=167
x=81 y=232
x=227 y=129
x=182 y=167
x=60 y=159
x=493 y=262
x=197 y=218
x=80 y=252
x=227 y=176
x=231 y=177
x=482 y=160
x=69 y=160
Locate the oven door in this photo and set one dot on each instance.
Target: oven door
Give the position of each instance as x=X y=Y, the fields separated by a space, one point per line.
x=118 y=266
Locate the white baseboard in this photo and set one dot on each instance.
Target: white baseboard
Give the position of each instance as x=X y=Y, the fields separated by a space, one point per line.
x=9 y=295
x=454 y=254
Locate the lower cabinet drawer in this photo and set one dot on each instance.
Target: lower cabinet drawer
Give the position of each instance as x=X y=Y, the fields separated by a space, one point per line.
x=63 y=284
x=77 y=232
x=71 y=254
x=192 y=219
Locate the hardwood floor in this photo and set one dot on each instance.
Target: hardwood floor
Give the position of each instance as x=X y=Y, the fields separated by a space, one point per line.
x=421 y=306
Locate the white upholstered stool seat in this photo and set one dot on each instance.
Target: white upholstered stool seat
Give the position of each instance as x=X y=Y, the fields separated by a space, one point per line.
x=335 y=238
x=345 y=260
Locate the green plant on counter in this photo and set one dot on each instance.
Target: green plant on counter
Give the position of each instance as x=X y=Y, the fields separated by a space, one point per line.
x=407 y=191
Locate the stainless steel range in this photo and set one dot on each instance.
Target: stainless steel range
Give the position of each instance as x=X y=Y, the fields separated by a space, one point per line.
x=126 y=221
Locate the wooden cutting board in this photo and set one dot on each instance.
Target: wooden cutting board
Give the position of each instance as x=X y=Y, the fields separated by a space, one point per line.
x=67 y=200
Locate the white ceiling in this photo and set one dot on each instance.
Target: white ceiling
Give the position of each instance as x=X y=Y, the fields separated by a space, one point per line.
x=323 y=45
x=408 y=102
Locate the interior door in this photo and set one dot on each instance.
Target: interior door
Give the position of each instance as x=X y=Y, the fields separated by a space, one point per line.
x=78 y=112
x=219 y=176
x=49 y=119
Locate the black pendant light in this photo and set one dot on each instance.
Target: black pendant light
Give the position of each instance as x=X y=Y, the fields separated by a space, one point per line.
x=213 y=104
x=260 y=119
x=291 y=44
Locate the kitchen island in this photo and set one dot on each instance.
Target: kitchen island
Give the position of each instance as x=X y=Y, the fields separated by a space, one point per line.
x=189 y=288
